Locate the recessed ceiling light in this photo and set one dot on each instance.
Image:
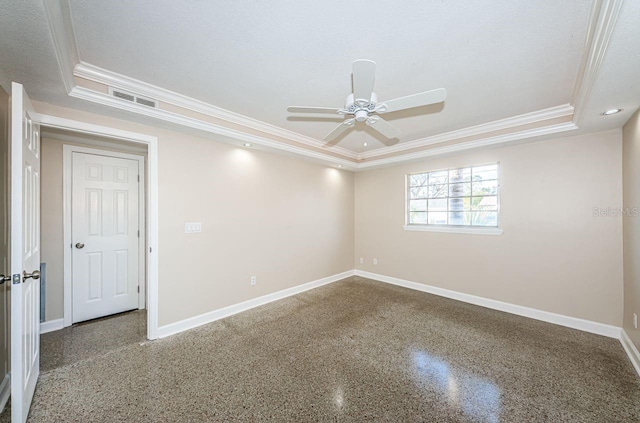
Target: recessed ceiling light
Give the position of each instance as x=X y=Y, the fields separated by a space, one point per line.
x=365 y=143
x=246 y=144
x=611 y=112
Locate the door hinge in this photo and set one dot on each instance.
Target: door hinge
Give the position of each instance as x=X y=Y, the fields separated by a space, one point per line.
x=138 y=178
x=138 y=289
x=138 y=233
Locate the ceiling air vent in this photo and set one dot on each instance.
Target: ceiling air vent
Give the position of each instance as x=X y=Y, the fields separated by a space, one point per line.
x=127 y=96
x=145 y=102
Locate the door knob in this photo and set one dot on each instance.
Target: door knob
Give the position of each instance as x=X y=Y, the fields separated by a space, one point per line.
x=35 y=275
x=4 y=279
x=79 y=245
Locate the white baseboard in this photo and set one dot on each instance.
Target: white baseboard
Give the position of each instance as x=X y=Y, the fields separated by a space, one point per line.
x=212 y=316
x=558 y=319
x=51 y=325
x=5 y=391
x=631 y=350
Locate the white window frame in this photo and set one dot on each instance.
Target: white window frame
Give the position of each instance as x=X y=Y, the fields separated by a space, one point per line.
x=460 y=229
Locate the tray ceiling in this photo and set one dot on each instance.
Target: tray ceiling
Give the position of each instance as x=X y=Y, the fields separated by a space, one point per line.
x=257 y=58
x=228 y=70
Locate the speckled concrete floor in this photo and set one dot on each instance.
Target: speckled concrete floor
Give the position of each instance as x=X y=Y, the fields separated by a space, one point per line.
x=355 y=350
x=90 y=339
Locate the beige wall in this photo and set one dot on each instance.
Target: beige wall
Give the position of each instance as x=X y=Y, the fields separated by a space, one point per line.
x=258 y=219
x=51 y=220
x=281 y=219
x=554 y=254
x=51 y=233
x=631 y=224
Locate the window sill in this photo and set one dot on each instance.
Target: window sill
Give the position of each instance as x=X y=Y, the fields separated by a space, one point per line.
x=454 y=229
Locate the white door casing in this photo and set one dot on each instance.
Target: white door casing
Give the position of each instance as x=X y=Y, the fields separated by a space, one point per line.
x=25 y=253
x=150 y=254
x=105 y=231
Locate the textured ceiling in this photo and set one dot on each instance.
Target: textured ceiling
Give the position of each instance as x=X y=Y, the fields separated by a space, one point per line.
x=618 y=83
x=26 y=50
x=496 y=59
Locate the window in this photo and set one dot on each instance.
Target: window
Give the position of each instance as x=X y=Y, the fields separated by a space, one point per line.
x=466 y=196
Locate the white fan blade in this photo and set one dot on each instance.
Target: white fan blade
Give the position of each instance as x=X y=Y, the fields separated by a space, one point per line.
x=384 y=127
x=364 y=73
x=414 y=100
x=304 y=109
x=339 y=130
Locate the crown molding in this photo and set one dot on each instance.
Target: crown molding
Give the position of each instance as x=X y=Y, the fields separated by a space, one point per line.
x=477 y=130
x=107 y=100
x=483 y=142
x=64 y=41
x=113 y=79
x=602 y=22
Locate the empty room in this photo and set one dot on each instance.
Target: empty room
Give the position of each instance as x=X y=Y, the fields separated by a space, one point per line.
x=310 y=211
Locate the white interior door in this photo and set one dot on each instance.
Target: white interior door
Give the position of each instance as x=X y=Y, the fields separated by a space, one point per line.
x=104 y=232
x=25 y=254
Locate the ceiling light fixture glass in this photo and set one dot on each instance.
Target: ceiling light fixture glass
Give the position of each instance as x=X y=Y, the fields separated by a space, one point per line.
x=246 y=144
x=611 y=112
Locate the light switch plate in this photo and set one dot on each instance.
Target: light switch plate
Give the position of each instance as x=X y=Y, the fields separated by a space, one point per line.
x=192 y=227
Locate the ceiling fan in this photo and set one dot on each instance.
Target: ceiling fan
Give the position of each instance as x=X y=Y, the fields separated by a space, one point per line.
x=362 y=105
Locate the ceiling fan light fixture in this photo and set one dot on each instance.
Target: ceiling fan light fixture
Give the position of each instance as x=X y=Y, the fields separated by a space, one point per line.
x=361 y=115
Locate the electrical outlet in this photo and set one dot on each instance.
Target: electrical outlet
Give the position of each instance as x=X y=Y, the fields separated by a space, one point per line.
x=361 y=260
x=253 y=280
x=635 y=321
x=375 y=262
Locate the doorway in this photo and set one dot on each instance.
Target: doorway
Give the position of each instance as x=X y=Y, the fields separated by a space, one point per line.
x=93 y=236
x=123 y=156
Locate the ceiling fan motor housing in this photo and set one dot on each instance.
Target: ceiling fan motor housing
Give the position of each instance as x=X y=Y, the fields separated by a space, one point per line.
x=361 y=108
